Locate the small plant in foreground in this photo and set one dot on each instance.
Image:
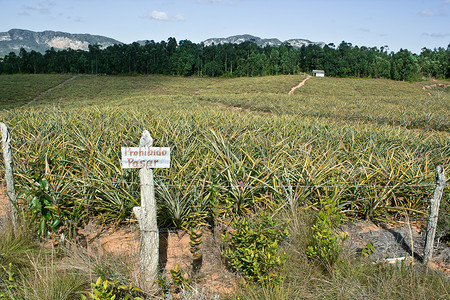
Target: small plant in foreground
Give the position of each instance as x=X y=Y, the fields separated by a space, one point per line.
x=41 y=197
x=42 y=207
x=9 y=284
x=105 y=290
x=195 y=237
x=253 y=247
x=179 y=279
x=368 y=250
x=325 y=245
x=163 y=284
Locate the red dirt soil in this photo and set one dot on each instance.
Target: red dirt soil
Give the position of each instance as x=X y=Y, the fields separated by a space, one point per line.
x=174 y=249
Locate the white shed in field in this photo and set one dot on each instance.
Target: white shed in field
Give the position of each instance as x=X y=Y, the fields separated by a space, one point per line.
x=319 y=73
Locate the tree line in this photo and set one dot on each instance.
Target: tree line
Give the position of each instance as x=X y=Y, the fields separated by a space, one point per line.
x=185 y=58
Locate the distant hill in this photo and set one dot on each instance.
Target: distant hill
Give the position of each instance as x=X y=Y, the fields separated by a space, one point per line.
x=15 y=39
x=238 y=39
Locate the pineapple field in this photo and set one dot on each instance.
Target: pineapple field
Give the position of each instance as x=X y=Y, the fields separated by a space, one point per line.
x=242 y=150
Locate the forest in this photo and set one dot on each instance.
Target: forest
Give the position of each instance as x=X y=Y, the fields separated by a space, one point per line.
x=185 y=58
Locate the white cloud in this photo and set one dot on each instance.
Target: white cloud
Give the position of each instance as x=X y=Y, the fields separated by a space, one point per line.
x=436 y=35
x=427 y=12
x=446 y=2
x=43 y=7
x=209 y=1
x=180 y=17
x=75 y=19
x=24 y=13
x=158 y=15
x=228 y=2
x=439 y=35
x=38 y=8
x=163 y=16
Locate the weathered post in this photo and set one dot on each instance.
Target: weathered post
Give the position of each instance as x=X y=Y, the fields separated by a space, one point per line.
x=9 y=175
x=146 y=157
x=146 y=216
x=434 y=212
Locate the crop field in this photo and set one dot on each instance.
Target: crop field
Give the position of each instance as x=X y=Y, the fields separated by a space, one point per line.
x=367 y=148
x=17 y=90
x=348 y=139
x=365 y=100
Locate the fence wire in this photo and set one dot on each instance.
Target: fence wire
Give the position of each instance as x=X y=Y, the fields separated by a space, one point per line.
x=114 y=181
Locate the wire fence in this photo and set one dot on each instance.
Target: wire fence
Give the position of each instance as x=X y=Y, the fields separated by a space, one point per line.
x=115 y=181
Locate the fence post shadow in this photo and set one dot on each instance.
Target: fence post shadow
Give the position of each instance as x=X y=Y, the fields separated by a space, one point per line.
x=163 y=248
x=399 y=239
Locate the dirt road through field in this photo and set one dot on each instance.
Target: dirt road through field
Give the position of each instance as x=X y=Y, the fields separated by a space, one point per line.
x=291 y=92
x=50 y=89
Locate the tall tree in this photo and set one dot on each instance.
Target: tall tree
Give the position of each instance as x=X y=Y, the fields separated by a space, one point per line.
x=404 y=66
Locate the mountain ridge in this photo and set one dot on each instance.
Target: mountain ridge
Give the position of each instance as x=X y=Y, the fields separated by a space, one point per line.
x=15 y=39
x=262 y=42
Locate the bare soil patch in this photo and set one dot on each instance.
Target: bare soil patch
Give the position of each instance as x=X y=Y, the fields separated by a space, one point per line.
x=393 y=243
x=431 y=88
x=4 y=205
x=291 y=92
x=174 y=249
x=3 y=200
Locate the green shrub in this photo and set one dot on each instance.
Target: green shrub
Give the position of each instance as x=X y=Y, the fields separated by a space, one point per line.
x=253 y=247
x=41 y=197
x=43 y=210
x=325 y=246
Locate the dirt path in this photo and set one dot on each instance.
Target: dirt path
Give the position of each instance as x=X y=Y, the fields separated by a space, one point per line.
x=49 y=90
x=291 y=92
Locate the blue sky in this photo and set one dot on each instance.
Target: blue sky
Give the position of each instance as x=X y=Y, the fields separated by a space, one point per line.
x=410 y=24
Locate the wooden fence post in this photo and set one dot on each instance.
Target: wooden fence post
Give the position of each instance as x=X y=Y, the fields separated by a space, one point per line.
x=9 y=175
x=146 y=216
x=434 y=212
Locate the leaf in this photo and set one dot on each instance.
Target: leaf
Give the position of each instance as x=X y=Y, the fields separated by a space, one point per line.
x=44 y=184
x=99 y=281
x=47 y=200
x=55 y=224
x=34 y=203
x=47 y=214
x=41 y=227
x=176 y=268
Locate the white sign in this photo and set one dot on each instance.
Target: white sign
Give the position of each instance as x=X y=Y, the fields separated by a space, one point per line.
x=145 y=157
